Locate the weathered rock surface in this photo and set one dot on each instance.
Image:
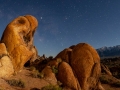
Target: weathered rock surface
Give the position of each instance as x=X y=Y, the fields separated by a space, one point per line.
x=6 y=67
x=80 y=69
x=18 y=38
x=3 y=50
x=86 y=64
x=65 y=55
x=53 y=63
x=66 y=76
x=49 y=75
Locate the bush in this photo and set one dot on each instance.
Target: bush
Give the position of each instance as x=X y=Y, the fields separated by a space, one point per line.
x=37 y=74
x=116 y=84
x=104 y=80
x=59 y=60
x=50 y=57
x=17 y=83
x=32 y=68
x=54 y=69
x=51 y=87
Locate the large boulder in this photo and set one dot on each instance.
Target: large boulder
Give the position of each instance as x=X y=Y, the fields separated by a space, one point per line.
x=66 y=76
x=18 y=39
x=86 y=64
x=6 y=67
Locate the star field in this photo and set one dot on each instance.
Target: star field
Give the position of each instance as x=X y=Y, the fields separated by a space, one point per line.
x=63 y=23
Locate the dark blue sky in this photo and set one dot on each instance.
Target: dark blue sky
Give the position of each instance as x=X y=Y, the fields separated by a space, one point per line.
x=63 y=23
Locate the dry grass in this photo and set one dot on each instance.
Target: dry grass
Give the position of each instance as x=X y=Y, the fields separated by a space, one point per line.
x=17 y=83
x=35 y=73
x=51 y=87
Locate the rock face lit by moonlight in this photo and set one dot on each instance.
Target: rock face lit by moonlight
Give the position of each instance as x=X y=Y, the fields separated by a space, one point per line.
x=18 y=39
x=6 y=67
x=85 y=64
x=77 y=67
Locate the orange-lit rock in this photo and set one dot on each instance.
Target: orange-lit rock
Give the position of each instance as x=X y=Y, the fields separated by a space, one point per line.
x=6 y=67
x=66 y=76
x=18 y=39
x=49 y=75
x=86 y=64
x=65 y=55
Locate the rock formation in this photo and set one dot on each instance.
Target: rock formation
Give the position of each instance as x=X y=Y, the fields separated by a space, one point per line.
x=77 y=67
x=85 y=64
x=65 y=55
x=49 y=75
x=6 y=67
x=66 y=76
x=18 y=39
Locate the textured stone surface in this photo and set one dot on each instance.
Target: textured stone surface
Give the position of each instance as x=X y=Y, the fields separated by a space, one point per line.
x=66 y=76
x=3 y=50
x=18 y=38
x=6 y=67
x=86 y=65
x=53 y=63
x=65 y=55
x=49 y=76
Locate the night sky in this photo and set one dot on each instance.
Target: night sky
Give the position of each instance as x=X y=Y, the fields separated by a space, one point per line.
x=63 y=23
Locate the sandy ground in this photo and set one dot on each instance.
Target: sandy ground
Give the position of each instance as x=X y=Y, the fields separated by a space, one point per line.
x=108 y=87
x=30 y=82
x=25 y=76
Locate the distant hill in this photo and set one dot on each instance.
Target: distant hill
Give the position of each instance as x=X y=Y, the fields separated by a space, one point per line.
x=109 y=51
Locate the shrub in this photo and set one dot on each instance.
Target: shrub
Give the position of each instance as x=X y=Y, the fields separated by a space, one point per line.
x=50 y=57
x=37 y=74
x=32 y=68
x=59 y=60
x=54 y=69
x=104 y=80
x=116 y=84
x=17 y=83
x=51 y=87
